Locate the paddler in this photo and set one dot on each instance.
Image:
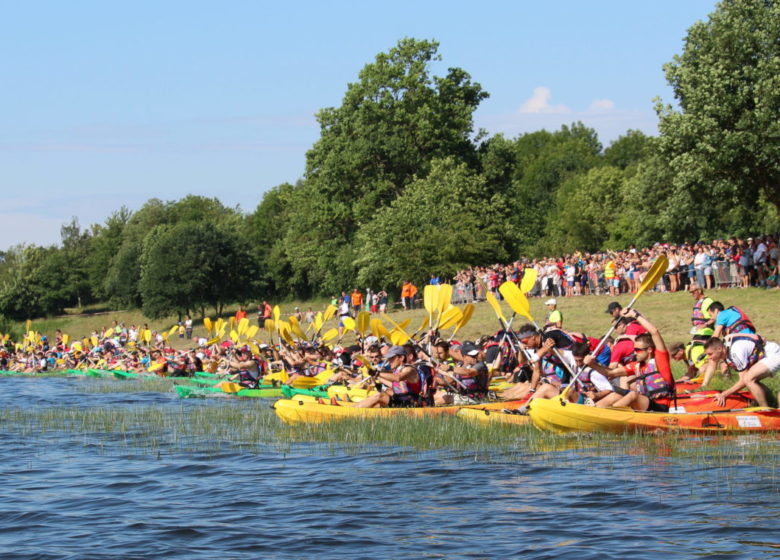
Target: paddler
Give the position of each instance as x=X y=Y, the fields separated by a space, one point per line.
x=750 y=355
x=648 y=376
x=466 y=382
x=729 y=321
x=403 y=385
x=244 y=368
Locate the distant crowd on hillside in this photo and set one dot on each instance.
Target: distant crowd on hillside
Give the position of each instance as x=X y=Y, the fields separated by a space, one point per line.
x=722 y=263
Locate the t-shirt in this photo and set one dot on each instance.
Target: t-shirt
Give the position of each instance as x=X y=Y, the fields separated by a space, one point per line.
x=740 y=352
x=728 y=317
x=555 y=317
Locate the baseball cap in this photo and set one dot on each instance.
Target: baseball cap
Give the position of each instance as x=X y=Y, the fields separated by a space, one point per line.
x=551 y=302
x=395 y=351
x=613 y=306
x=469 y=349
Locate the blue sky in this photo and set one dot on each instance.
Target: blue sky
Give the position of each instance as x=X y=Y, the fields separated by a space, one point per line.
x=104 y=104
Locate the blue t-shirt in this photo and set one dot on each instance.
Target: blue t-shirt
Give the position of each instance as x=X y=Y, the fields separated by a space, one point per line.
x=728 y=317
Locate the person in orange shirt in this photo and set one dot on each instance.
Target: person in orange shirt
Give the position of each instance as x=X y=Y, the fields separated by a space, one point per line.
x=357 y=301
x=240 y=314
x=406 y=294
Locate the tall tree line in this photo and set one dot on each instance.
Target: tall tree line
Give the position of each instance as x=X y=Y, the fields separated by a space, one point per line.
x=400 y=185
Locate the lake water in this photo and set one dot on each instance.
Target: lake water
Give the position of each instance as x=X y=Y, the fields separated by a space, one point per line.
x=77 y=493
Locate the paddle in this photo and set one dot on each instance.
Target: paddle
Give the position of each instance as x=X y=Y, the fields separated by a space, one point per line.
x=363 y=323
x=208 y=324
x=651 y=279
x=519 y=304
x=468 y=311
x=430 y=300
x=450 y=317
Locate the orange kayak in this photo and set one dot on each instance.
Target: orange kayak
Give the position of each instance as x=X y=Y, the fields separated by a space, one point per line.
x=558 y=416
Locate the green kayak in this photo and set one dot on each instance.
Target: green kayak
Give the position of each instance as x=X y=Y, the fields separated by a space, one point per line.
x=289 y=392
x=189 y=391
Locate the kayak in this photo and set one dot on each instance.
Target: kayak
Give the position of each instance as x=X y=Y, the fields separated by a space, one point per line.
x=487 y=416
x=559 y=416
x=293 y=411
x=190 y=391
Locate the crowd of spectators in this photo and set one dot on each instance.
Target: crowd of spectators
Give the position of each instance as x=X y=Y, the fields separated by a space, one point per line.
x=722 y=263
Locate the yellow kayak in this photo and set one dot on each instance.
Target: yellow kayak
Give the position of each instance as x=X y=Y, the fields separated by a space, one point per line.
x=293 y=411
x=488 y=416
x=558 y=416
x=300 y=382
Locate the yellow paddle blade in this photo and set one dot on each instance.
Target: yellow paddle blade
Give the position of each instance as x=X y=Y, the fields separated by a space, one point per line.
x=378 y=329
x=65 y=338
x=399 y=337
x=430 y=298
x=232 y=322
x=468 y=311
x=109 y=333
x=330 y=311
x=229 y=387
x=405 y=323
x=243 y=325
x=426 y=322
x=270 y=326
x=330 y=334
x=148 y=336
x=221 y=333
x=251 y=332
x=94 y=340
x=165 y=337
x=31 y=336
x=318 y=321
x=285 y=334
x=491 y=299
x=653 y=275
x=234 y=336
x=296 y=329
x=516 y=300
x=450 y=317
x=171 y=332
x=213 y=340
x=77 y=346
x=208 y=324
x=363 y=322
x=255 y=349
x=349 y=323
x=529 y=280
x=277 y=313
x=219 y=324
x=445 y=297
x=156 y=366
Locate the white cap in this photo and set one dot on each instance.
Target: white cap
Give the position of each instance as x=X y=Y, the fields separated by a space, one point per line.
x=551 y=302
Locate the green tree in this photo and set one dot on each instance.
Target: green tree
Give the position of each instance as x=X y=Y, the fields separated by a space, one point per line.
x=391 y=124
x=723 y=143
x=193 y=264
x=443 y=222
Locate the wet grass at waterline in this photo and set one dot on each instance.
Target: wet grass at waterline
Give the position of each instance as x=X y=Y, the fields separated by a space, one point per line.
x=144 y=385
x=156 y=430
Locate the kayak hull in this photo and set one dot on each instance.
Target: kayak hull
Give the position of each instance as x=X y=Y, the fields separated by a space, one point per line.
x=558 y=416
x=487 y=416
x=294 y=411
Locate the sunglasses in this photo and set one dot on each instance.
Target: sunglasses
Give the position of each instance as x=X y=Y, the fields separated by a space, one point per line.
x=640 y=349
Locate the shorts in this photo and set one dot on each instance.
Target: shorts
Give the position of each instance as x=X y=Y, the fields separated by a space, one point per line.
x=772 y=359
x=615 y=283
x=656 y=407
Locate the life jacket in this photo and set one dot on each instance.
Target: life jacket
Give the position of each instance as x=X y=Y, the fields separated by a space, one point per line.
x=698 y=319
x=312 y=370
x=758 y=348
x=247 y=379
x=406 y=393
x=651 y=383
x=584 y=383
x=472 y=385
x=427 y=378
x=507 y=362
x=742 y=324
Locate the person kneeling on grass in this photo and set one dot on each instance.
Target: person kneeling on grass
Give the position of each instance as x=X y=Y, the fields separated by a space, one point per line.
x=403 y=384
x=648 y=377
x=749 y=354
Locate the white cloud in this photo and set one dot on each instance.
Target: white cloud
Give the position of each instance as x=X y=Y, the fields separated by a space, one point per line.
x=539 y=103
x=601 y=105
x=537 y=113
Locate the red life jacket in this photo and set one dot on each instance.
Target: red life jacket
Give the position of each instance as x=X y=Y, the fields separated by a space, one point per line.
x=740 y=325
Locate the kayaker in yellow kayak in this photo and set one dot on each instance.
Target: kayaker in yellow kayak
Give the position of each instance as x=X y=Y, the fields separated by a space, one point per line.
x=403 y=383
x=461 y=383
